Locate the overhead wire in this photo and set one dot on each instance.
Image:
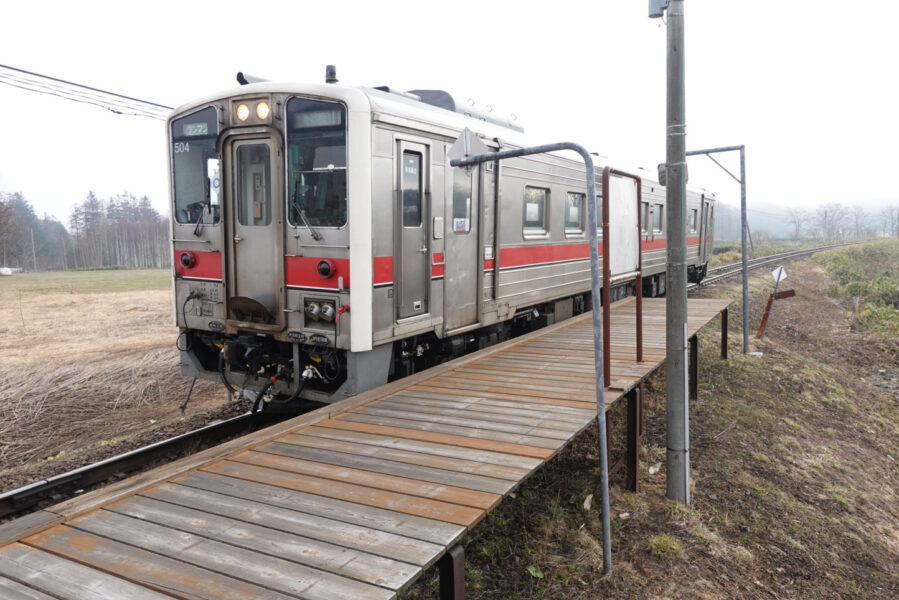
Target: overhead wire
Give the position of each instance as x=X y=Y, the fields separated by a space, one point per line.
x=76 y=92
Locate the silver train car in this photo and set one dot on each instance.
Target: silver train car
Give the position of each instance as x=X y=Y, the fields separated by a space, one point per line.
x=323 y=244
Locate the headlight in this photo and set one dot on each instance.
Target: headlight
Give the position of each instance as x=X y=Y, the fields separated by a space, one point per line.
x=262 y=111
x=243 y=112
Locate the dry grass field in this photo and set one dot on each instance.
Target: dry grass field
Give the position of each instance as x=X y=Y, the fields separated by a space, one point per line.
x=86 y=357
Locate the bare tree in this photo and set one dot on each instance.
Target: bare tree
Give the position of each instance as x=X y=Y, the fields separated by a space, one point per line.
x=798 y=220
x=832 y=221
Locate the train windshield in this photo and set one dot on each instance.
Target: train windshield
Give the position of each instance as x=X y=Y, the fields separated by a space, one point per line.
x=316 y=163
x=195 y=164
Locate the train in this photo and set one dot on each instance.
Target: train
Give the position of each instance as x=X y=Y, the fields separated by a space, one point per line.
x=323 y=244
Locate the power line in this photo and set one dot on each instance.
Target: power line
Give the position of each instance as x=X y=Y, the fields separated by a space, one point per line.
x=61 y=88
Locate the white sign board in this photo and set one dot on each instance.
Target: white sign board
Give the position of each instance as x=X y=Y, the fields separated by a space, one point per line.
x=779 y=274
x=624 y=236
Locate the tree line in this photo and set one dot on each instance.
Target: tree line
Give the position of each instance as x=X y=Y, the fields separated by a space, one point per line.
x=828 y=222
x=122 y=230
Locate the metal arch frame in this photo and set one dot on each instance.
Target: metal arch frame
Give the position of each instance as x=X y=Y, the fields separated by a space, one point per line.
x=595 y=287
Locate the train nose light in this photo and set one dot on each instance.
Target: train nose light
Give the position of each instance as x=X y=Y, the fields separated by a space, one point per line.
x=327 y=313
x=313 y=310
x=243 y=112
x=326 y=268
x=262 y=110
x=188 y=260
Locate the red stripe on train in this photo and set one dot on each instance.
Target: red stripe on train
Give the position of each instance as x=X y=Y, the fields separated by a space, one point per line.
x=302 y=271
x=206 y=265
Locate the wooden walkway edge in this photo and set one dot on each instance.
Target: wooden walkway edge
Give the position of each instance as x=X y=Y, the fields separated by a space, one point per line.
x=353 y=500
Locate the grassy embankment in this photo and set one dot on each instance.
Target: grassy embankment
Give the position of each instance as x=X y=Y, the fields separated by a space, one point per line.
x=869 y=273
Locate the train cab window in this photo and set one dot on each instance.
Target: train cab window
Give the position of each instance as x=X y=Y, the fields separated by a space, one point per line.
x=657 y=218
x=254 y=184
x=461 y=201
x=693 y=220
x=574 y=213
x=411 y=189
x=535 y=200
x=316 y=163
x=195 y=167
x=644 y=217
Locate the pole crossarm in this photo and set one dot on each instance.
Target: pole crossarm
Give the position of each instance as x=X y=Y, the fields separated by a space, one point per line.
x=744 y=228
x=592 y=226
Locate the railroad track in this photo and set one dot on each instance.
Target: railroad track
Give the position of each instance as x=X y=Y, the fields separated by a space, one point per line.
x=22 y=500
x=732 y=269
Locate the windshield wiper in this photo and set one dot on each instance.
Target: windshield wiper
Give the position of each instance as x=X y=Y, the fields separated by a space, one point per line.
x=300 y=212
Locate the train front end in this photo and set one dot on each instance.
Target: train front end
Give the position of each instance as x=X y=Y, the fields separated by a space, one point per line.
x=273 y=275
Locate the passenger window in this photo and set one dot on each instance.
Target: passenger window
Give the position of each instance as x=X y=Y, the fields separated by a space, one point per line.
x=574 y=213
x=657 y=217
x=693 y=220
x=535 y=200
x=411 y=189
x=644 y=217
x=461 y=201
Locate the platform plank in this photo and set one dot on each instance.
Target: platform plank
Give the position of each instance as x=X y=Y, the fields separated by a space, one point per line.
x=339 y=560
x=297 y=448
x=402 y=503
x=341 y=533
x=371 y=479
x=424 y=529
x=11 y=590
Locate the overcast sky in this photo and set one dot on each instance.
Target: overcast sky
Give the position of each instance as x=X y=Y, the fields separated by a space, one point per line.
x=809 y=87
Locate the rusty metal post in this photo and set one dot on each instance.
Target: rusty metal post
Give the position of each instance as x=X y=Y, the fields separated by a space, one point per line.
x=634 y=409
x=724 y=334
x=694 y=367
x=606 y=281
x=452 y=574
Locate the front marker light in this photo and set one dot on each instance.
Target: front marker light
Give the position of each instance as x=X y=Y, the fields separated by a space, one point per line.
x=262 y=110
x=243 y=112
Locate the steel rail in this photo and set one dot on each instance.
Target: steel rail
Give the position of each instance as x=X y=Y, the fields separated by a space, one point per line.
x=20 y=500
x=723 y=272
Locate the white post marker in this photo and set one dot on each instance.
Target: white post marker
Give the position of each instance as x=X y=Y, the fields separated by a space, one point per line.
x=779 y=275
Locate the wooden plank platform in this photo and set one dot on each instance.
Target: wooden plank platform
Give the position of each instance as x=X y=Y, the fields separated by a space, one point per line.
x=351 y=501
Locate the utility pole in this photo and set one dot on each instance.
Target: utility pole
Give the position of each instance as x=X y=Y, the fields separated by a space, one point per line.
x=678 y=408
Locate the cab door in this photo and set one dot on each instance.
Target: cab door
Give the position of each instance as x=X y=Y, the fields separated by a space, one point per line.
x=255 y=240
x=412 y=254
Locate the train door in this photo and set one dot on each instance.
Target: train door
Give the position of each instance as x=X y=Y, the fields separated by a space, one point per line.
x=412 y=274
x=706 y=229
x=461 y=251
x=255 y=246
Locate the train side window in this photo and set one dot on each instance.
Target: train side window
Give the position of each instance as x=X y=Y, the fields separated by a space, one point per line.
x=411 y=189
x=657 y=218
x=535 y=201
x=461 y=201
x=644 y=217
x=574 y=214
x=693 y=220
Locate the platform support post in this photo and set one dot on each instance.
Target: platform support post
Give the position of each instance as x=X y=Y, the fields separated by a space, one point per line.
x=452 y=574
x=634 y=437
x=724 y=334
x=694 y=367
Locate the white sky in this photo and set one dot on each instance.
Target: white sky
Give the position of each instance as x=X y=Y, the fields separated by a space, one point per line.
x=809 y=87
